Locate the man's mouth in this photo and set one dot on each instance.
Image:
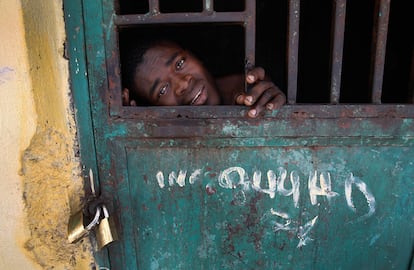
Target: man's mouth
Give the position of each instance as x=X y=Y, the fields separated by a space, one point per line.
x=197 y=96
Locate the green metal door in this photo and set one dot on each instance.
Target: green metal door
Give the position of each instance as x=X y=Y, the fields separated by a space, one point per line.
x=279 y=193
x=307 y=187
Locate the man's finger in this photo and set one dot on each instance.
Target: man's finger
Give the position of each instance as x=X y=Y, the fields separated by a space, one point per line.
x=255 y=74
x=239 y=99
x=277 y=102
x=125 y=97
x=261 y=91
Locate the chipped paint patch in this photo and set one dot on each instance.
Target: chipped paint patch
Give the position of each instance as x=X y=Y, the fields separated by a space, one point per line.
x=6 y=74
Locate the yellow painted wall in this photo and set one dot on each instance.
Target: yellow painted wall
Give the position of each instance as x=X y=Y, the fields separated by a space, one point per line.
x=40 y=176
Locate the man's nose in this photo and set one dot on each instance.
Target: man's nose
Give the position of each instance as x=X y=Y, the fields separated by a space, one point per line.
x=182 y=83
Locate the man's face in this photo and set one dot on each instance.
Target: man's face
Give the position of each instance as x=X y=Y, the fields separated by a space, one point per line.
x=171 y=76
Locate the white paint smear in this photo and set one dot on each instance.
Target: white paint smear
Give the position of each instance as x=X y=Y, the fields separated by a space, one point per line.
x=325 y=188
x=232 y=176
x=160 y=179
x=194 y=176
x=294 y=182
x=303 y=232
x=279 y=214
x=180 y=179
x=271 y=182
x=349 y=183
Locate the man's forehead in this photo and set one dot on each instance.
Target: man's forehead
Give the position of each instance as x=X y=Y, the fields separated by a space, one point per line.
x=158 y=58
x=163 y=50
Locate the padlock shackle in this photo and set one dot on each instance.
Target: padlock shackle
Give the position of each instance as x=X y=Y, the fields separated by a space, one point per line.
x=105 y=211
x=95 y=220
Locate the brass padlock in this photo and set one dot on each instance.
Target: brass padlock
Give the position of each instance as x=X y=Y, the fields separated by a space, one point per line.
x=106 y=231
x=77 y=228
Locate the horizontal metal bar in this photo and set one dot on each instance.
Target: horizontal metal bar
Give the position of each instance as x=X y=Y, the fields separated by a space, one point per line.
x=297 y=111
x=371 y=122
x=202 y=17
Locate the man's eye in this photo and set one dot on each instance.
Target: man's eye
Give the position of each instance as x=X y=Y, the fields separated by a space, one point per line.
x=163 y=90
x=180 y=63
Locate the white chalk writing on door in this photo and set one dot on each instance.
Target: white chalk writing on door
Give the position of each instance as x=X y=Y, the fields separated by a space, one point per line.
x=280 y=183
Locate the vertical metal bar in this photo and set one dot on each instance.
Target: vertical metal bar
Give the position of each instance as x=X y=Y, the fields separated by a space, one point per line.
x=411 y=82
x=293 y=49
x=250 y=34
x=381 y=18
x=208 y=5
x=154 y=6
x=337 y=48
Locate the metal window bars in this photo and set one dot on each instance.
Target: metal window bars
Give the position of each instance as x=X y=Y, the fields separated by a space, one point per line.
x=379 y=44
x=247 y=18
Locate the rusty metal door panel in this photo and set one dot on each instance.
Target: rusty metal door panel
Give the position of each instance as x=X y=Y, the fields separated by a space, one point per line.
x=309 y=187
x=194 y=206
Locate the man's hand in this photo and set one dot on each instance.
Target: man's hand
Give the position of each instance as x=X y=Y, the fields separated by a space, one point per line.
x=126 y=101
x=264 y=95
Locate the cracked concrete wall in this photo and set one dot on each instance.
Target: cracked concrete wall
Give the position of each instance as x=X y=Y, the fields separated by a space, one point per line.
x=40 y=176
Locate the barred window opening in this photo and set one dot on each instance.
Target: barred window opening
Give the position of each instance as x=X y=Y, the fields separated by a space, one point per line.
x=316 y=52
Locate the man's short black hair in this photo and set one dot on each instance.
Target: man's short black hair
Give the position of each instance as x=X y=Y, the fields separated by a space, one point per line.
x=132 y=57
